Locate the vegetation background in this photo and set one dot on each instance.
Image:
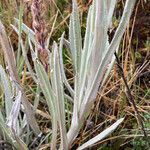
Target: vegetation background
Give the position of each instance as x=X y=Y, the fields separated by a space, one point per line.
x=134 y=55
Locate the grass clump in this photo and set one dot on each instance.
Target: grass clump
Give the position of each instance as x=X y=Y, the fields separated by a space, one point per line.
x=69 y=105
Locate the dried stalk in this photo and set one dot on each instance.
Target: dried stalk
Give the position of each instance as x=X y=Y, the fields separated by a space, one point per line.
x=130 y=98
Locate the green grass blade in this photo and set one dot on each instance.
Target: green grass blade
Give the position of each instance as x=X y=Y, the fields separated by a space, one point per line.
x=27 y=30
x=75 y=37
x=24 y=52
x=62 y=67
x=59 y=97
x=102 y=135
x=49 y=95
